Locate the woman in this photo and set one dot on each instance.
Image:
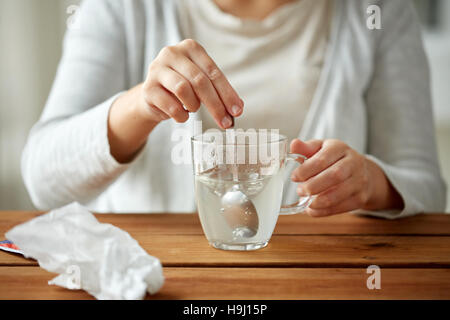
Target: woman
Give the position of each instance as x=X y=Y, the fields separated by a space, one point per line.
x=357 y=99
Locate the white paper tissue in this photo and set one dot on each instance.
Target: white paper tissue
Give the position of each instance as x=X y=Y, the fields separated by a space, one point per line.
x=99 y=258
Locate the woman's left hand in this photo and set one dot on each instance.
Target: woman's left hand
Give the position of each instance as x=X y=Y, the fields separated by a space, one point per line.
x=341 y=179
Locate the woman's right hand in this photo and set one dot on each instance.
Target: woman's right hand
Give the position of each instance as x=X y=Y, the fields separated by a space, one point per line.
x=185 y=75
x=180 y=79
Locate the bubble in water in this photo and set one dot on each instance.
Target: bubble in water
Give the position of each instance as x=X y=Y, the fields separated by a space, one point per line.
x=253 y=176
x=243 y=232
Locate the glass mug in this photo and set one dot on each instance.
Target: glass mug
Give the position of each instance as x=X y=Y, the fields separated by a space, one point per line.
x=239 y=179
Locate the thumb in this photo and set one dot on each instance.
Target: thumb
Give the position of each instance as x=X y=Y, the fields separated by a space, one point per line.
x=308 y=148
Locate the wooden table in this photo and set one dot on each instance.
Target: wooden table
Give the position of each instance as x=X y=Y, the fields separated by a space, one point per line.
x=307 y=258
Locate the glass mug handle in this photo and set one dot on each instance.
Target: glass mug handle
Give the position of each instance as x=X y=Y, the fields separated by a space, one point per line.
x=303 y=202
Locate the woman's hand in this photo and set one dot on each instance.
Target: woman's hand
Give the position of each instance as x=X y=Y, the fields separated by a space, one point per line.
x=342 y=179
x=184 y=74
x=180 y=78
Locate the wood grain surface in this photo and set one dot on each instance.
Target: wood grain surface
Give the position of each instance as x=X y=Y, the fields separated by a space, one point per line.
x=252 y=283
x=344 y=224
x=293 y=251
x=307 y=258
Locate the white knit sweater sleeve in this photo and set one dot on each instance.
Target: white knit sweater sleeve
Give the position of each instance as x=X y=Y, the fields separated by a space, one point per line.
x=401 y=129
x=67 y=154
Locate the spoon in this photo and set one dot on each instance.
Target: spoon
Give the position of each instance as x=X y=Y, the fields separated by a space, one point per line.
x=239 y=211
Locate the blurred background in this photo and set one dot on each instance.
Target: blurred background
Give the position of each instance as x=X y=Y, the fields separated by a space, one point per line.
x=31 y=33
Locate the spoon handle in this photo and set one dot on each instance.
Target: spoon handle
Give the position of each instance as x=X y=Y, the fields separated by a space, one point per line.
x=235 y=171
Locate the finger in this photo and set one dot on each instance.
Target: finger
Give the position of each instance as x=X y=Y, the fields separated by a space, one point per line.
x=337 y=194
x=324 y=158
x=349 y=204
x=228 y=95
x=204 y=90
x=308 y=148
x=180 y=87
x=331 y=176
x=163 y=100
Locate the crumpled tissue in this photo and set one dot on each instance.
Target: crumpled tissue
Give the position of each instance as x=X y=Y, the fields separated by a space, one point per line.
x=99 y=258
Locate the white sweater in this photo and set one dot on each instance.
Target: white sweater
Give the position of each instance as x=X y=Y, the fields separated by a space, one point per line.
x=374 y=94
